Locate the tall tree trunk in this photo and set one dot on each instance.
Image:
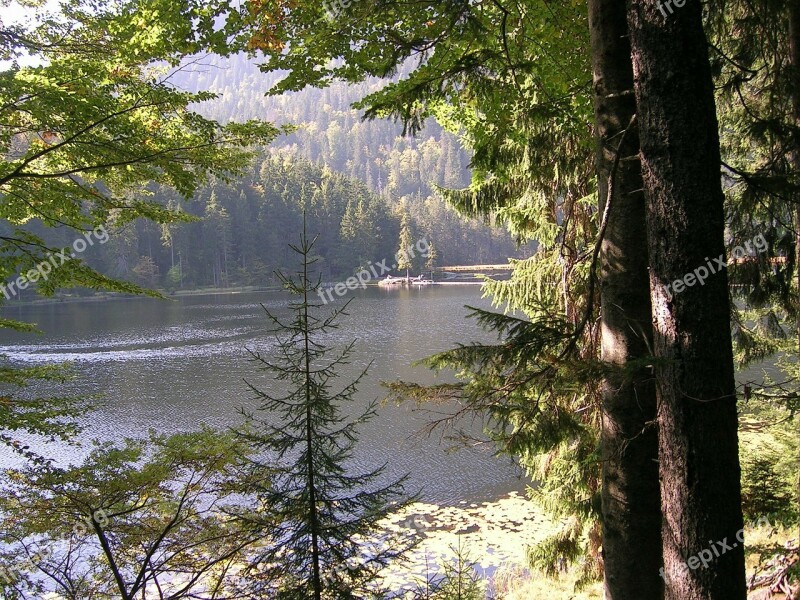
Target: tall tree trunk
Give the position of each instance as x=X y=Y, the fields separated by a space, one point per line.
x=313 y=513
x=631 y=501
x=698 y=446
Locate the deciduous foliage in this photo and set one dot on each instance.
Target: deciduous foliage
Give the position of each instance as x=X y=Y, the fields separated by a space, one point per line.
x=90 y=119
x=24 y=411
x=138 y=519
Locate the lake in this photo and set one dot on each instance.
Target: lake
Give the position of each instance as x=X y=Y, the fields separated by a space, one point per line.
x=176 y=365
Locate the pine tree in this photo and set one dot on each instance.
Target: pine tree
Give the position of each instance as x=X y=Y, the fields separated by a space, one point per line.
x=531 y=169
x=430 y=262
x=348 y=237
x=217 y=233
x=403 y=255
x=318 y=517
x=764 y=491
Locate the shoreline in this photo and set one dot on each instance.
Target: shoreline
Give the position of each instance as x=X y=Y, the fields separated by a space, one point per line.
x=494 y=535
x=109 y=297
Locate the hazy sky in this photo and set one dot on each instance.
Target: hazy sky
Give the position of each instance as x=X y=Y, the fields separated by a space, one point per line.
x=12 y=13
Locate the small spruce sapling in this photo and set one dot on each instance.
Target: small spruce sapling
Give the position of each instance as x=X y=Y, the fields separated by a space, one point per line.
x=316 y=516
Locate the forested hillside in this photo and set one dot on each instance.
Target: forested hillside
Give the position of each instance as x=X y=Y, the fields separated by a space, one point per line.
x=246 y=226
x=242 y=229
x=355 y=179
x=329 y=130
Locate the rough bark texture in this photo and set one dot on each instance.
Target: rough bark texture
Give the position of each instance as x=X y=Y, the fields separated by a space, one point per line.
x=698 y=446
x=630 y=490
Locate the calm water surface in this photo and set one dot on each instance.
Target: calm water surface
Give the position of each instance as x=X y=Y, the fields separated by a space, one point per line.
x=175 y=365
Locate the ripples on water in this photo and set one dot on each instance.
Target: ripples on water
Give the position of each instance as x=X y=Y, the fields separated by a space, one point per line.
x=174 y=365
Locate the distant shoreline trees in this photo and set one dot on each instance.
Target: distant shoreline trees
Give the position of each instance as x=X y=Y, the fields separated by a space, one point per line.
x=238 y=230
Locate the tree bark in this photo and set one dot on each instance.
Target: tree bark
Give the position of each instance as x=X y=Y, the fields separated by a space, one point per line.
x=630 y=488
x=698 y=446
